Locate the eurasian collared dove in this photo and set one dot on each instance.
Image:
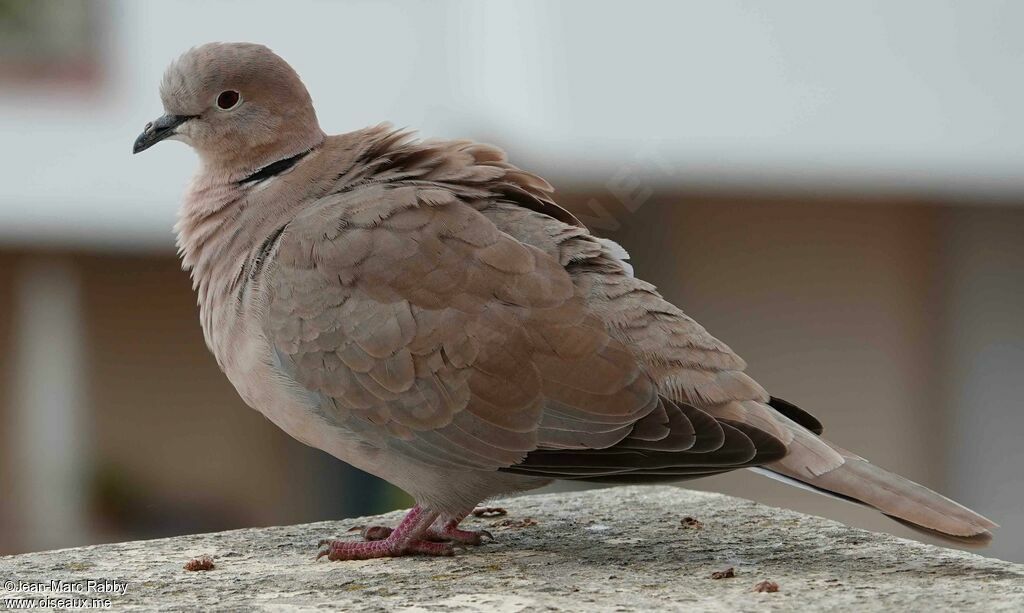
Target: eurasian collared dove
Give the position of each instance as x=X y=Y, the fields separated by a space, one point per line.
x=427 y=313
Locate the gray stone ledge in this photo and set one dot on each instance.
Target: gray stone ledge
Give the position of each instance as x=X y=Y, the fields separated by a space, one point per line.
x=620 y=549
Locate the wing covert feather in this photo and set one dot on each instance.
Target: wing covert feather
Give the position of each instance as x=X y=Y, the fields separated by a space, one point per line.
x=409 y=312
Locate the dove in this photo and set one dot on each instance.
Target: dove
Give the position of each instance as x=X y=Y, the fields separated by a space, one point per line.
x=425 y=311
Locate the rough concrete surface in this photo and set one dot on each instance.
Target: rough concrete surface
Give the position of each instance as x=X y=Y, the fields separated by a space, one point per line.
x=620 y=549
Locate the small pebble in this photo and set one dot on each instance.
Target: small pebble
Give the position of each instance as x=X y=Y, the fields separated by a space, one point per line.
x=728 y=573
x=200 y=563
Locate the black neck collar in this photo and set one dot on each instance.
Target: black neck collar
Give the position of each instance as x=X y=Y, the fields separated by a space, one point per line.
x=273 y=169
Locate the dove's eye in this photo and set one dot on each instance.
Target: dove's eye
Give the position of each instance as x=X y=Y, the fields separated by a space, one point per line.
x=228 y=100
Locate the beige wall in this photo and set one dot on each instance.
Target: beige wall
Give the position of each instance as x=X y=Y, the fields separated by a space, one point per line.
x=983 y=379
x=7 y=465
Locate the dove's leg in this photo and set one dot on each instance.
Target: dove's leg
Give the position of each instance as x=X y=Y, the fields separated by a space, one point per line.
x=407 y=539
x=444 y=529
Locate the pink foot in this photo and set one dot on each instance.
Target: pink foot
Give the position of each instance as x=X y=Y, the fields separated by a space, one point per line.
x=409 y=538
x=448 y=532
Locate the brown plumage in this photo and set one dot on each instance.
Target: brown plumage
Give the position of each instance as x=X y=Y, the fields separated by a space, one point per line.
x=425 y=311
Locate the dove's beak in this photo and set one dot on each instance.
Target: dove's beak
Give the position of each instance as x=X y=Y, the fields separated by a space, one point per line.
x=156 y=131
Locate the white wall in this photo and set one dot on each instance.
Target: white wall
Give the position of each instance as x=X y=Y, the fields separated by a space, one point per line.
x=915 y=94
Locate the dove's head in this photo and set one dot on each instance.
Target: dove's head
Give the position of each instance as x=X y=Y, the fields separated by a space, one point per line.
x=239 y=105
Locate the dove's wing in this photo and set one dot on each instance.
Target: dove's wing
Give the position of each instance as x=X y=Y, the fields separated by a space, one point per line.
x=427 y=331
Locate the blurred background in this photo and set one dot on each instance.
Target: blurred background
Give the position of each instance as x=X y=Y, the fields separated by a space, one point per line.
x=832 y=188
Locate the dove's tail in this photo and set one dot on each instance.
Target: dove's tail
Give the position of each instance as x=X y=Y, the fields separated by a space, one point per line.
x=857 y=480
